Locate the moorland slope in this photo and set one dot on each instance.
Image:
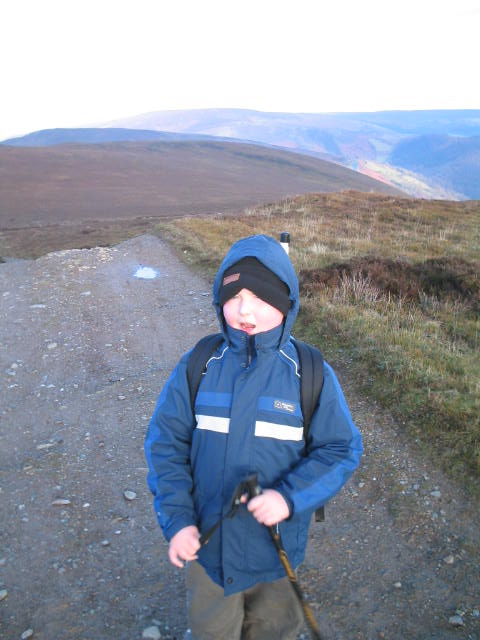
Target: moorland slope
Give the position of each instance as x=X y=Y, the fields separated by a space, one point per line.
x=124 y=180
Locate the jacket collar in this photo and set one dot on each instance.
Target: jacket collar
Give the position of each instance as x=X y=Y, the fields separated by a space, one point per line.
x=263 y=342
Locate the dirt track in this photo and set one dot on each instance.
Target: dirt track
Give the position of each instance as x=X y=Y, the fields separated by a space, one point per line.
x=85 y=349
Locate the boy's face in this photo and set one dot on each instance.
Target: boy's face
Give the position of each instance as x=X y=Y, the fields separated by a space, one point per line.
x=251 y=314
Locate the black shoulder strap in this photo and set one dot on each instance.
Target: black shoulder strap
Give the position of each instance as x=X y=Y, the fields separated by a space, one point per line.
x=311 y=372
x=311 y=383
x=197 y=361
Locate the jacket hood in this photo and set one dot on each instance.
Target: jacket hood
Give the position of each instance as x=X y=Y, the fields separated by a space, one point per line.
x=273 y=256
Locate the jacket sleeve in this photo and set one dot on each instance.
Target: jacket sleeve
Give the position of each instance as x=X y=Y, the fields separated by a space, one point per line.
x=333 y=452
x=167 y=450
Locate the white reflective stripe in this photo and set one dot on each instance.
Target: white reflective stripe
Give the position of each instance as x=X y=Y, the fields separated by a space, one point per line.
x=278 y=431
x=297 y=373
x=214 y=358
x=212 y=423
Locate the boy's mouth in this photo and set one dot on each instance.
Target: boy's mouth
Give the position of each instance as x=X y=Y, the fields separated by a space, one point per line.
x=247 y=327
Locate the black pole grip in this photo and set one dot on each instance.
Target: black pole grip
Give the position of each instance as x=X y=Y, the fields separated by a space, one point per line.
x=252 y=488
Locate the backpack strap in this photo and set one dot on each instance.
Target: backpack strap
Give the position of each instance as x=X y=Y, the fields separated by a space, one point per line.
x=311 y=372
x=197 y=362
x=311 y=383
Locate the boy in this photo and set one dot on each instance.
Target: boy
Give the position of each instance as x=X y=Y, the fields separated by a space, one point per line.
x=247 y=419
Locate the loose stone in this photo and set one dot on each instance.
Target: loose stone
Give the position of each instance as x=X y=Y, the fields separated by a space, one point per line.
x=456 y=621
x=151 y=633
x=129 y=495
x=47 y=445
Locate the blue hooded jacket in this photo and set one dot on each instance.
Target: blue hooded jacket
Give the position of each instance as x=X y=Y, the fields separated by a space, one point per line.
x=248 y=419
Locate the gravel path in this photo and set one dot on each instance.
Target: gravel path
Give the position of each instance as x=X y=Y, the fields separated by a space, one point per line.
x=84 y=350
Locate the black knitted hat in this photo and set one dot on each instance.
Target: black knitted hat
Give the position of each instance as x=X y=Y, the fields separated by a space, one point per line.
x=250 y=273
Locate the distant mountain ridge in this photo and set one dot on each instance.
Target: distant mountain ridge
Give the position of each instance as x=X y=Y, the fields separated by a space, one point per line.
x=451 y=160
x=96 y=135
x=351 y=139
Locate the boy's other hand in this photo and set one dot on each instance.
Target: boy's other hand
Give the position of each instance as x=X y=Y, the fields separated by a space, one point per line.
x=184 y=546
x=269 y=507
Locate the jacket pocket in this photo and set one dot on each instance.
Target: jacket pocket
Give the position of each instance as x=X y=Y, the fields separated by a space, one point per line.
x=260 y=553
x=294 y=534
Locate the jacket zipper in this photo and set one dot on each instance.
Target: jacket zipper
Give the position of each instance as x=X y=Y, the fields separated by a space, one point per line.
x=250 y=350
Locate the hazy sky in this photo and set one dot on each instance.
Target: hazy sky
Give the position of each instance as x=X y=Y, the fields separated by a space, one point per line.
x=79 y=62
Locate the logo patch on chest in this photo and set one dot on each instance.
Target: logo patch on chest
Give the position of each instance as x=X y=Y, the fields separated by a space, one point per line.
x=281 y=405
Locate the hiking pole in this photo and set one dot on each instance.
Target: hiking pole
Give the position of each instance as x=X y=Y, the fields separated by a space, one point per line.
x=251 y=488
x=254 y=489
x=285 y=241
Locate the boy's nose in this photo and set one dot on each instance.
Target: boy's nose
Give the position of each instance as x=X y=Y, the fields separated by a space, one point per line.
x=245 y=309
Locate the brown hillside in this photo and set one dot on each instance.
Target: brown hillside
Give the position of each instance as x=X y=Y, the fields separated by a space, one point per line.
x=81 y=183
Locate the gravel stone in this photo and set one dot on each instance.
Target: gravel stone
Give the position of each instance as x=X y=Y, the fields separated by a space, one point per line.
x=151 y=633
x=456 y=621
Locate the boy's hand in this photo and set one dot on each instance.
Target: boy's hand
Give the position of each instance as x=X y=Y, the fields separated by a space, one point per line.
x=269 y=507
x=184 y=546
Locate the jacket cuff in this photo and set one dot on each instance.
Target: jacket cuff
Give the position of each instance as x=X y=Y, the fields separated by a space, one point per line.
x=287 y=499
x=174 y=527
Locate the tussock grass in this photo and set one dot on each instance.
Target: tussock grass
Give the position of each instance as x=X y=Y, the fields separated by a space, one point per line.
x=390 y=290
